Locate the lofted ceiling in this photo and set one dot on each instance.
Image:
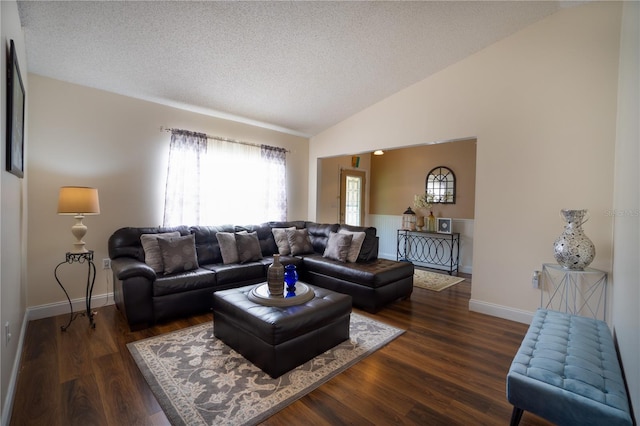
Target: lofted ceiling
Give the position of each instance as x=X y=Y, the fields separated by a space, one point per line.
x=298 y=67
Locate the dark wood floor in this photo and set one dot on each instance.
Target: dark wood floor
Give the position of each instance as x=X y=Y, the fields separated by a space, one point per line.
x=448 y=368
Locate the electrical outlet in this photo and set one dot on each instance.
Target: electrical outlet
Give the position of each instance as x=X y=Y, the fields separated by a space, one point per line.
x=7 y=333
x=535 y=280
x=106 y=263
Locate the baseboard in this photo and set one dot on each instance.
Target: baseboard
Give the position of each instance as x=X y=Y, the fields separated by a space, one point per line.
x=13 y=379
x=500 y=311
x=39 y=312
x=61 y=308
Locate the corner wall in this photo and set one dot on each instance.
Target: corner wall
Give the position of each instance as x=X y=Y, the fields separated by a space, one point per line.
x=542 y=104
x=83 y=136
x=626 y=268
x=13 y=226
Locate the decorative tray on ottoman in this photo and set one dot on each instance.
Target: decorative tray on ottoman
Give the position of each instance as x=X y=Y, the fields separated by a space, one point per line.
x=260 y=294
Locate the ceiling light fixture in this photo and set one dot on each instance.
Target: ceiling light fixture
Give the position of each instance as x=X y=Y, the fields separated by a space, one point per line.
x=378 y=152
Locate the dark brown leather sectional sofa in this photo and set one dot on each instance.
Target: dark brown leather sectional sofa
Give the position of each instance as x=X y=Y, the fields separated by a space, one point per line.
x=145 y=297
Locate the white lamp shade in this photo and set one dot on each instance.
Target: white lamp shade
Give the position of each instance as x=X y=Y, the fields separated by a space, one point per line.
x=78 y=200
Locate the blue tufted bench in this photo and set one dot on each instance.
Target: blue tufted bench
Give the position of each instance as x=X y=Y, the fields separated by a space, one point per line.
x=567 y=372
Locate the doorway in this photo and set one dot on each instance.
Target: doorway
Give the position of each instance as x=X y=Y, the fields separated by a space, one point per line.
x=352 y=190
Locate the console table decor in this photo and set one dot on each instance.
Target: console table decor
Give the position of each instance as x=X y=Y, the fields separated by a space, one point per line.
x=81 y=258
x=429 y=249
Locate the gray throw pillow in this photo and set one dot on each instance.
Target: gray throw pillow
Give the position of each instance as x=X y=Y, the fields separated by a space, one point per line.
x=338 y=246
x=178 y=253
x=356 y=244
x=299 y=242
x=280 y=236
x=248 y=247
x=228 y=248
x=152 y=255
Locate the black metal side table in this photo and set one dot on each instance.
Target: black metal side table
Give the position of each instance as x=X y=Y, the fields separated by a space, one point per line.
x=430 y=249
x=82 y=258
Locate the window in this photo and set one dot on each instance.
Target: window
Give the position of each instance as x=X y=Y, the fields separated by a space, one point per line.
x=212 y=181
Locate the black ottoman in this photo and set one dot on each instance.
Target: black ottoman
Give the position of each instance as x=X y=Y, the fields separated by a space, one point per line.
x=278 y=339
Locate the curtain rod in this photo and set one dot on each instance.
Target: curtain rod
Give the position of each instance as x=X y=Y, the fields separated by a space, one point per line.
x=220 y=138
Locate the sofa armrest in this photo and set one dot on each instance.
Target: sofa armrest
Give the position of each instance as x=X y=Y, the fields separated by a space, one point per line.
x=128 y=267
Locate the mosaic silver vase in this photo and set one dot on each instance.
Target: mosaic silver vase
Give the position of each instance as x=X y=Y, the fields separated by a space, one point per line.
x=573 y=249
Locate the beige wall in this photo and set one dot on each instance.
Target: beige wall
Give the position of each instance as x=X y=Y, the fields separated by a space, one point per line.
x=329 y=189
x=83 y=136
x=542 y=106
x=394 y=178
x=400 y=174
x=13 y=226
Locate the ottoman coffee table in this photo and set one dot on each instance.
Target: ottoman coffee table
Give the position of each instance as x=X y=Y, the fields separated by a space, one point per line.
x=279 y=338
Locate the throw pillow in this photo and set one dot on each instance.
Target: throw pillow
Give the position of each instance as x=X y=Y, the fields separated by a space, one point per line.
x=228 y=248
x=178 y=253
x=248 y=247
x=356 y=244
x=338 y=246
x=280 y=236
x=299 y=242
x=152 y=255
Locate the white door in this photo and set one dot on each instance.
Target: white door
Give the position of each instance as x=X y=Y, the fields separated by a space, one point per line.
x=352 y=190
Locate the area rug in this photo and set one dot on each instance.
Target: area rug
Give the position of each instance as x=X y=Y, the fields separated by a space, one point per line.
x=434 y=281
x=198 y=380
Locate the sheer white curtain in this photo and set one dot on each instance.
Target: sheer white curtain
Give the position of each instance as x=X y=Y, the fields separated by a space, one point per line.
x=182 y=193
x=228 y=183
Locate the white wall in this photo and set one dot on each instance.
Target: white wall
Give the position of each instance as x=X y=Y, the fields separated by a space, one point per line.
x=626 y=268
x=542 y=104
x=83 y=136
x=13 y=206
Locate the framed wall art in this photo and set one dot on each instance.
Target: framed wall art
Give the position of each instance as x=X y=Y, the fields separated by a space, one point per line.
x=443 y=225
x=15 y=115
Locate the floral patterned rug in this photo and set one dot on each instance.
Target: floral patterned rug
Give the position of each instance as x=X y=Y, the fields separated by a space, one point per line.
x=434 y=281
x=198 y=380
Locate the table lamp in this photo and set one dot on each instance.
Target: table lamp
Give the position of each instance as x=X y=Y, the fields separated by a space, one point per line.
x=78 y=201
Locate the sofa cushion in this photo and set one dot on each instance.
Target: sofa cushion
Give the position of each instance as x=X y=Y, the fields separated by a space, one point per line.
x=265 y=237
x=125 y=242
x=377 y=273
x=356 y=244
x=228 y=247
x=207 y=245
x=178 y=253
x=248 y=247
x=299 y=242
x=319 y=234
x=152 y=254
x=280 y=237
x=297 y=224
x=369 y=249
x=238 y=273
x=338 y=246
x=184 y=281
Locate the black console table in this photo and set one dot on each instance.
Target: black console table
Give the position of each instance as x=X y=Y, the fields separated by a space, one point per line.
x=82 y=258
x=430 y=249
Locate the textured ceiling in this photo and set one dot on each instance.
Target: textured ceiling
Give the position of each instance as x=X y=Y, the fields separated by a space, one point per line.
x=299 y=67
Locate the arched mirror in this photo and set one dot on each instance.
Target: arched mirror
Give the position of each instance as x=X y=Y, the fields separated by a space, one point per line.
x=441 y=184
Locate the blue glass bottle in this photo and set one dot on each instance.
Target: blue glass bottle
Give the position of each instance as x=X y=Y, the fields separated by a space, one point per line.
x=290 y=277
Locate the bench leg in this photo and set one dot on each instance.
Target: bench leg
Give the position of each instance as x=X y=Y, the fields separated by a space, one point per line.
x=516 y=415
